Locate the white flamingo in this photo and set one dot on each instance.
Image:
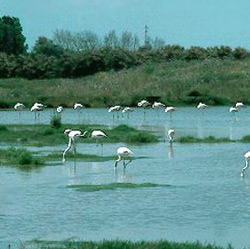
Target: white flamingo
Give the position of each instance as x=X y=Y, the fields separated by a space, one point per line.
x=127 y=110
x=114 y=109
x=157 y=105
x=78 y=106
x=37 y=107
x=239 y=105
x=72 y=135
x=171 y=136
x=19 y=107
x=170 y=109
x=144 y=104
x=59 y=109
x=97 y=135
x=123 y=153
x=202 y=106
x=247 y=159
x=233 y=109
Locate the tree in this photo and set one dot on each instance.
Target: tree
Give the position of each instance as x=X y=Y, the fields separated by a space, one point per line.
x=111 y=40
x=158 y=43
x=47 y=47
x=12 y=41
x=126 y=40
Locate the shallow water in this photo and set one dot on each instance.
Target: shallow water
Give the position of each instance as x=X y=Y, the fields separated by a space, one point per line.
x=216 y=121
x=206 y=200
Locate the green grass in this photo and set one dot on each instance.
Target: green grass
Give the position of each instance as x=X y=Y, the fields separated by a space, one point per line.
x=122 y=244
x=113 y=186
x=174 y=83
x=39 y=135
x=20 y=158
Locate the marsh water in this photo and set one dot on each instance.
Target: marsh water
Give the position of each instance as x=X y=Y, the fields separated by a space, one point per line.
x=198 y=195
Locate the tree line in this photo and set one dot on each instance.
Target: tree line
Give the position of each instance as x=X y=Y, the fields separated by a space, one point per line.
x=77 y=54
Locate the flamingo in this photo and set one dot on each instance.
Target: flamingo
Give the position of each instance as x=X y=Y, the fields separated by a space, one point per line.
x=170 y=109
x=144 y=103
x=239 y=105
x=36 y=108
x=123 y=153
x=116 y=109
x=247 y=159
x=78 y=106
x=72 y=135
x=127 y=110
x=202 y=106
x=171 y=136
x=59 y=109
x=19 y=107
x=98 y=135
x=157 y=105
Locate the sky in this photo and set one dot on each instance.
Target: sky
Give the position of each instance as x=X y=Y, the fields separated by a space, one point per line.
x=183 y=22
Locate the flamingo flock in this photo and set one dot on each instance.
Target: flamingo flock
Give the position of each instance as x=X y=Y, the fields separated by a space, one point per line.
x=123 y=153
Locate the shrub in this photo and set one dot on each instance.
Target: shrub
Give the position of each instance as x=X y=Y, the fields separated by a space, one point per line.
x=55 y=121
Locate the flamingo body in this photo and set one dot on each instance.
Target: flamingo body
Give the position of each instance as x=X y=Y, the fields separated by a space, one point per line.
x=123 y=153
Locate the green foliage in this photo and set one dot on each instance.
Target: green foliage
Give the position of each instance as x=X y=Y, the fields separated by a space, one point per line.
x=56 y=121
x=20 y=158
x=120 y=244
x=210 y=139
x=12 y=41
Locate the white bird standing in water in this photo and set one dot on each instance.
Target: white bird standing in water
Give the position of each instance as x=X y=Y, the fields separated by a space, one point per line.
x=144 y=104
x=59 y=109
x=127 y=110
x=247 y=159
x=157 y=105
x=37 y=107
x=170 y=109
x=98 y=135
x=78 y=106
x=233 y=109
x=239 y=105
x=171 y=136
x=72 y=135
x=114 y=109
x=202 y=106
x=19 y=107
x=123 y=153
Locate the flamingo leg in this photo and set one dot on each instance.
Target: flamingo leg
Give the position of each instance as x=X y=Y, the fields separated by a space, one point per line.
x=243 y=170
x=117 y=161
x=130 y=160
x=66 y=150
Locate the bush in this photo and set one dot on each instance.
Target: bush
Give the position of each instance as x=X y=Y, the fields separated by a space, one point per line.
x=55 y=121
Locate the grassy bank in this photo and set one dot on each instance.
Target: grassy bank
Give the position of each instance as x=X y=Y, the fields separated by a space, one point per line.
x=119 y=244
x=177 y=82
x=40 y=135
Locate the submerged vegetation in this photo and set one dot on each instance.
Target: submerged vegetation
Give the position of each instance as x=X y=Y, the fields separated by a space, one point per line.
x=210 y=139
x=40 y=135
x=112 y=186
x=20 y=158
x=120 y=244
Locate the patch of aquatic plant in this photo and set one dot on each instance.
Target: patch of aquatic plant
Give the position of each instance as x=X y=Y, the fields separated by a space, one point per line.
x=131 y=135
x=112 y=186
x=56 y=121
x=245 y=139
x=121 y=244
x=20 y=158
x=210 y=139
x=39 y=135
x=85 y=157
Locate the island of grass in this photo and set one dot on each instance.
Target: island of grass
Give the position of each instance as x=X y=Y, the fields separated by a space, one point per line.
x=40 y=135
x=121 y=244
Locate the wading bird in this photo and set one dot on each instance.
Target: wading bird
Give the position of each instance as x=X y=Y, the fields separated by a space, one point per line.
x=171 y=136
x=233 y=109
x=123 y=153
x=127 y=110
x=78 y=106
x=37 y=107
x=170 y=109
x=239 y=105
x=59 y=109
x=19 y=107
x=247 y=159
x=114 y=109
x=72 y=136
x=97 y=135
x=157 y=105
x=144 y=104
x=202 y=106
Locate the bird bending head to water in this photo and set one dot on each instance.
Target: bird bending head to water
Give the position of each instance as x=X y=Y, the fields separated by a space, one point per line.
x=72 y=136
x=19 y=106
x=202 y=106
x=171 y=135
x=247 y=159
x=123 y=153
